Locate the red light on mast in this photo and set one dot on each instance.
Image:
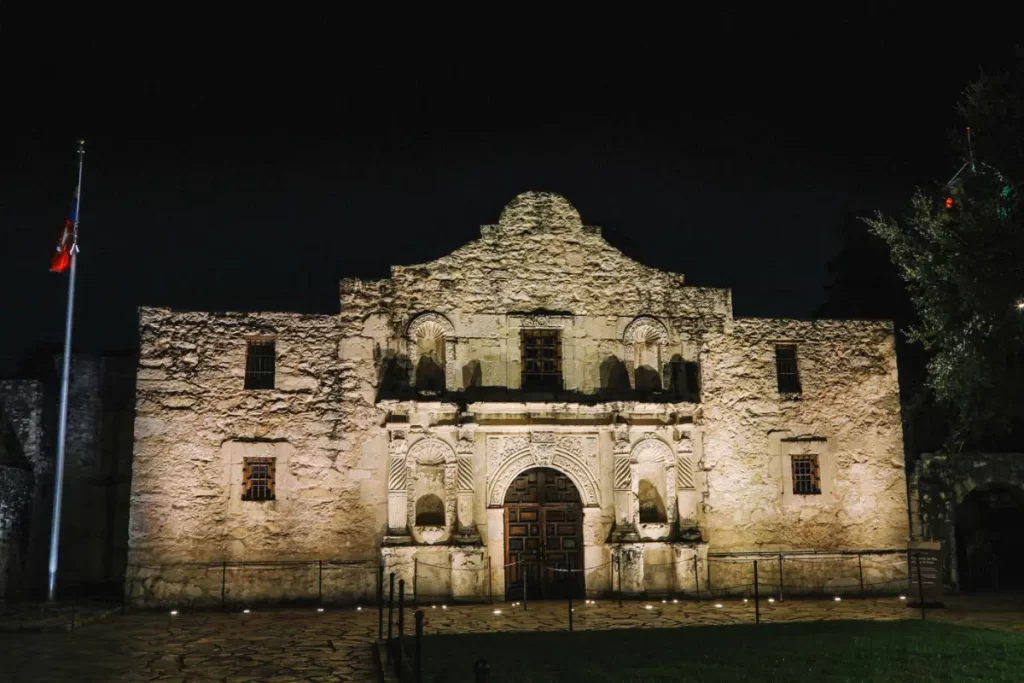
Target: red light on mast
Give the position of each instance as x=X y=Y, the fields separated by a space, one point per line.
x=949 y=202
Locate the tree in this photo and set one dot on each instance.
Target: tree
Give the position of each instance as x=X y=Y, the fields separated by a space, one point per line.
x=960 y=253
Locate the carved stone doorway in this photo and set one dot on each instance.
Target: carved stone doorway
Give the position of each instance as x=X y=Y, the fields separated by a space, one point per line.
x=543 y=536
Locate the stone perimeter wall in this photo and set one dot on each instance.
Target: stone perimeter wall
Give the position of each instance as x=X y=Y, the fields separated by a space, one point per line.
x=538 y=266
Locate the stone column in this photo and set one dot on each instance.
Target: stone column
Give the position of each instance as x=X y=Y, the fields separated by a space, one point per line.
x=496 y=548
x=450 y=377
x=466 y=527
x=398 y=494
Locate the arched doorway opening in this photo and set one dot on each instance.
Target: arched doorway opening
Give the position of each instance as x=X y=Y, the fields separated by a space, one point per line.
x=543 y=535
x=990 y=539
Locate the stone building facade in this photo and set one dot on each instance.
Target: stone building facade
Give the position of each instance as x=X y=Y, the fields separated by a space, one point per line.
x=531 y=403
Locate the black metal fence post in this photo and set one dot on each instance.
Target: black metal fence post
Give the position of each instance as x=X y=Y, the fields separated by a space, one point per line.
x=401 y=608
x=570 y=584
x=490 y=582
x=419 y=646
x=526 y=573
x=480 y=671
x=780 y=578
x=860 y=570
x=380 y=602
x=618 y=564
x=696 y=575
x=415 y=575
x=391 y=610
x=399 y=655
x=223 y=583
x=757 y=597
x=920 y=586
x=320 y=582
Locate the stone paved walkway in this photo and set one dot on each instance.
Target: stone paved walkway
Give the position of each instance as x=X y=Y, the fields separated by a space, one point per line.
x=304 y=645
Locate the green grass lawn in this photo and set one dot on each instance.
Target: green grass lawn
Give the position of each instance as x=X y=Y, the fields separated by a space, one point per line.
x=815 y=652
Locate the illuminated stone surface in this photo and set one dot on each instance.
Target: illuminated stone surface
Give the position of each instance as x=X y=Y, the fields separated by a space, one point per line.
x=348 y=427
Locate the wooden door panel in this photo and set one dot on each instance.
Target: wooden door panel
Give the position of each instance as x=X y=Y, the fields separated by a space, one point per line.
x=543 y=516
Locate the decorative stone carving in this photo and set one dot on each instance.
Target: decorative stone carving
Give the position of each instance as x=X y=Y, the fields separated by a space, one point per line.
x=464 y=443
x=622 y=473
x=438 y=329
x=651 y=449
x=654 y=456
x=684 y=471
x=542 y=320
x=620 y=433
x=465 y=478
x=431 y=451
x=646 y=330
x=508 y=456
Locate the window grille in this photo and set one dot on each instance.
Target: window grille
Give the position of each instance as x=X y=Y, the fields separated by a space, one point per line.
x=786 y=369
x=258 y=478
x=259 y=364
x=806 y=476
x=542 y=360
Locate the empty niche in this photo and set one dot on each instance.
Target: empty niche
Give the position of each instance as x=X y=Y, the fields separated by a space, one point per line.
x=429 y=511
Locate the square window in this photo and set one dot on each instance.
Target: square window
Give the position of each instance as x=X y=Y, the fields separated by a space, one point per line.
x=786 y=371
x=258 y=478
x=259 y=364
x=542 y=360
x=806 y=475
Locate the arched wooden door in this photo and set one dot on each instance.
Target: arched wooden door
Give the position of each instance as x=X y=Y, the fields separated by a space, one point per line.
x=543 y=535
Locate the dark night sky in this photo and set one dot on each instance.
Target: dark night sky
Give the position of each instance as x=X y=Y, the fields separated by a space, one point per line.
x=249 y=172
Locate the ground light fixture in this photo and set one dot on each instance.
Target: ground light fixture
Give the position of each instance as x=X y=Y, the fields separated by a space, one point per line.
x=648 y=606
x=903 y=597
x=174 y=612
x=745 y=600
x=497 y=611
x=359 y=608
x=718 y=605
x=245 y=611
x=444 y=606
x=319 y=609
x=838 y=599
x=675 y=602
x=771 y=599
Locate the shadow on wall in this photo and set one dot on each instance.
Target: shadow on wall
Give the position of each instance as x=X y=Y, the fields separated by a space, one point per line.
x=614 y=375
x=647 y=379
x=652 y=505
x=429 y=375
x=472 y=375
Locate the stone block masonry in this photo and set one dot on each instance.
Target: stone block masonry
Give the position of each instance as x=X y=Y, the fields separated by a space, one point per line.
x=533 y=398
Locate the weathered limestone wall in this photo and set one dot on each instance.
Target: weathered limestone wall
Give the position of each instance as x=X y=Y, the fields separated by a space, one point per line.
x=195 y=422
x=848 y=414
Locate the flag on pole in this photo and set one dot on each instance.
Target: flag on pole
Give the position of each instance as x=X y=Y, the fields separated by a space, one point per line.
x=68 y=240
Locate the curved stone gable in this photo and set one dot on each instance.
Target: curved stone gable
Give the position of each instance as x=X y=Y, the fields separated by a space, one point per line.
x=540 y=255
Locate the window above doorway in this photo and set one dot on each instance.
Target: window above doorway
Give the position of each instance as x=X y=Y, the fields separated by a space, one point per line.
x=541 y=360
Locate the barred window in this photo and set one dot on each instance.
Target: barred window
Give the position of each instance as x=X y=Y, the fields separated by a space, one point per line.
x=806 y=476
x=259 y=364
x=258 y=478
x=786 y=369
x=542 y=360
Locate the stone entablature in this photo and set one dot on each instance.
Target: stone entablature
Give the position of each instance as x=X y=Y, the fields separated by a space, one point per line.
x=660 y=474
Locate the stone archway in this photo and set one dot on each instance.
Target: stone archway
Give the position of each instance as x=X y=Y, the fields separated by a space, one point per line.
x=989 y=531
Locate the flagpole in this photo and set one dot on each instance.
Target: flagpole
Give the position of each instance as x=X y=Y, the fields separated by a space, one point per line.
x=62 y=425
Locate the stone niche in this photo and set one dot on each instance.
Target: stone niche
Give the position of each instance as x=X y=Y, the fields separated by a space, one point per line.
x=654 y=486
x=421 y=490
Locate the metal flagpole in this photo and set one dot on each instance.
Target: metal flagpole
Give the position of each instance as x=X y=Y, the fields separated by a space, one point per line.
x=62 y=427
